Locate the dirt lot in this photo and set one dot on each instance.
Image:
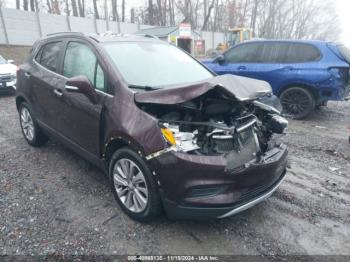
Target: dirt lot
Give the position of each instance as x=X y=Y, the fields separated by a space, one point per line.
x=52 y=201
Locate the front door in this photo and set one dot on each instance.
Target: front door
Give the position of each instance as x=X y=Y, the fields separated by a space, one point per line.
x=240 y=60
x=81 y=118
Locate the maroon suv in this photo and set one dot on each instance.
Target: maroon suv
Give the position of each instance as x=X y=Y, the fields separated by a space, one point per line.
x=169 y=133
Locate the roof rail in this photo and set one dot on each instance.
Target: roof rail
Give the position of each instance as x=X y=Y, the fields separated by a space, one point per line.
x=149 y=36
x=59 y=33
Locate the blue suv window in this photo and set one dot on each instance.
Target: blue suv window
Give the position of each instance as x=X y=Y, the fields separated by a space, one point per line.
x=300 y=52
x=273 y=52
x=243 y=53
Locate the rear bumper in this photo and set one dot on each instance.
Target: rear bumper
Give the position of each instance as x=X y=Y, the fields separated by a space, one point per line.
x=201 y=187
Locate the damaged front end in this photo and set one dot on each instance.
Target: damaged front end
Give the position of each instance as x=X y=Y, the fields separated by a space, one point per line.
x=215 y=124
x=222 y=149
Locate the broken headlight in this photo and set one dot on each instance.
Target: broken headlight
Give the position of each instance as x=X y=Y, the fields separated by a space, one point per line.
x=182 y=141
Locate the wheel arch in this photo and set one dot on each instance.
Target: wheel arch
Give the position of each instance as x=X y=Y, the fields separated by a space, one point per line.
x=19 y=101
x=115 y=143
x=308 y=87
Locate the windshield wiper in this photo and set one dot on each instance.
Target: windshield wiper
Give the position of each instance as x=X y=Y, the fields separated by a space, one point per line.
x=148 y=88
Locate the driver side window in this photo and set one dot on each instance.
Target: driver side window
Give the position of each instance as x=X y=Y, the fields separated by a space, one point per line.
x=80 y=60
x=245 y=53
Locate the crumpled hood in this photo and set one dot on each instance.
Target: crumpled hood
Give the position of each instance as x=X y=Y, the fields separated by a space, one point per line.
x=241 y=88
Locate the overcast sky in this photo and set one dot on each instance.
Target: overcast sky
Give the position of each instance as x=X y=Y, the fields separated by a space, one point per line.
x=343 y=10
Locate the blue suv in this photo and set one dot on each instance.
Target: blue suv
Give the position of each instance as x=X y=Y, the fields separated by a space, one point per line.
x=304 y=74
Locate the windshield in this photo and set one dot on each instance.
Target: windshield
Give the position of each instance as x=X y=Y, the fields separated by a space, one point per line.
x=345 y=52
x=155 y=64
x=2 y=60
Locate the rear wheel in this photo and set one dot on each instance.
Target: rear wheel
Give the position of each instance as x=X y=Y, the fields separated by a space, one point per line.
x=133 y=185
x=30 y=129
x=297 y=102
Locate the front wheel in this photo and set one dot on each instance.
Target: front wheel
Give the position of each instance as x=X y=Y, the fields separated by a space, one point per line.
x=297 y=102
x=133 y=185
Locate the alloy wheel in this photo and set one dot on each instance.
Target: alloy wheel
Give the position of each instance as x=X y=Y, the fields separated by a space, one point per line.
x=130 y=185
x=27 y=124
x=296 y=102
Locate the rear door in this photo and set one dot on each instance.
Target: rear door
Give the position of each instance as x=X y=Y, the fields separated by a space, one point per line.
x=271 y=65
x=43 y=81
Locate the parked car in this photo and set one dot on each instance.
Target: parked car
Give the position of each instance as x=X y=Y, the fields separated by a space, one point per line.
x=304 y=74
x=7 y=76
x=166 y=130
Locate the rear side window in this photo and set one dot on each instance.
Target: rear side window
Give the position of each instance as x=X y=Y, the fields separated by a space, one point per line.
x=245 y=53
x=345 y=52
x=273 y=52
x=300 y=52
x=48 y=55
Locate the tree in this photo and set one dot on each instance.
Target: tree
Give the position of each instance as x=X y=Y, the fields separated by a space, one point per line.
x=81 y=7
x=96 y=10
x=18 y=4
x=115 y=10
x=74 y=8
x=123 y=10
x=150 y=12
x=206 y=19
x=32 y=6
x=132 y=15
x=49 y=8
x=25 y=5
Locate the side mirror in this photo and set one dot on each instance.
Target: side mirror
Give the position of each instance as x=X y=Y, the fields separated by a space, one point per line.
x=10 y=61
x=81 y=84
x=219 y=59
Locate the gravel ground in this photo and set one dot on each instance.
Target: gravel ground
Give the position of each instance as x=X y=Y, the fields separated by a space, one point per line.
x=54 y=202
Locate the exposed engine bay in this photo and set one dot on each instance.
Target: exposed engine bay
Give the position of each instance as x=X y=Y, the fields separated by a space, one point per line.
x=216 y=124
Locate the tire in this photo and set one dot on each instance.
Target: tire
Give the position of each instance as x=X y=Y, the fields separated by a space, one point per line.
x=297 y=102
x=30 y=128
x=130 y=185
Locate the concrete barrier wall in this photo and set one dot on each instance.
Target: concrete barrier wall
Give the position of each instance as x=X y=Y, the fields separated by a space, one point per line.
x=24 y=28
x=84 y=25
x=52 y=23
x=21 y=27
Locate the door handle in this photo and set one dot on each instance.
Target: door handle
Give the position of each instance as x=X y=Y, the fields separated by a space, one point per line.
x=287 y=68
x=27 y=75
x=58 y=92
x=242 y=68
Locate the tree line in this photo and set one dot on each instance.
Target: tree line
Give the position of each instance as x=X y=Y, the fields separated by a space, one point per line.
x=288 y=19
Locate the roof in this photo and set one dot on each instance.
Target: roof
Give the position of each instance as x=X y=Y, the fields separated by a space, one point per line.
x=160 y=31
x=287 y=41
x=106 y=37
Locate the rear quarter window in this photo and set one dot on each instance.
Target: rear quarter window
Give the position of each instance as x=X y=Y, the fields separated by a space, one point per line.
x=48 y=55
x=301 y=52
